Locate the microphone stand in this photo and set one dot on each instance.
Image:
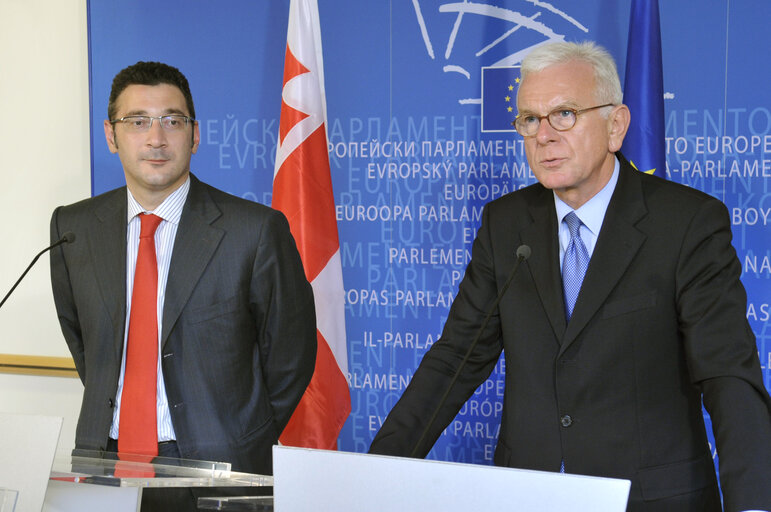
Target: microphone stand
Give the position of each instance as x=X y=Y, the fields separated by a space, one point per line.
x=523 y=253
x=68 y=237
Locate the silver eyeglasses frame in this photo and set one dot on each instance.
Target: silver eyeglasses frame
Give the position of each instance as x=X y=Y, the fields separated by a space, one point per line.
x=139 y=124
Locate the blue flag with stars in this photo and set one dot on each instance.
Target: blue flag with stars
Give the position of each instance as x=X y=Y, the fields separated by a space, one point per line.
x=499 y=98
x=644 y=90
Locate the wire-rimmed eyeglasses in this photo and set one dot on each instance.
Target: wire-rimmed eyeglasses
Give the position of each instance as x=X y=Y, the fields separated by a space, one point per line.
x=170 y=123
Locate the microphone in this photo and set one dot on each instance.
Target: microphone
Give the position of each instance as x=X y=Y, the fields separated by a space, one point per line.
x=67 y=238
x=523 y=253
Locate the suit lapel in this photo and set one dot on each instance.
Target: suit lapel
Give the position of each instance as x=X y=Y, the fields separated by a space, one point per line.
x=616 y=246
x=541 y=236
x=194 y=247
x=107 y=244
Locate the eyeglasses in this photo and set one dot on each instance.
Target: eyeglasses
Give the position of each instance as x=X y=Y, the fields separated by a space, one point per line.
x=170 y=123
x=561 y=119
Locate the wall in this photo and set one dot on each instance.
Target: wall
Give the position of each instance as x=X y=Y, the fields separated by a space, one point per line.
x=411 y=167
x=395 y=89
x=44 y=162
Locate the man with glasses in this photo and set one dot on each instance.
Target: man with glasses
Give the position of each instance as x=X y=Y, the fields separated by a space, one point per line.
x=628 y=312
x=186 y=309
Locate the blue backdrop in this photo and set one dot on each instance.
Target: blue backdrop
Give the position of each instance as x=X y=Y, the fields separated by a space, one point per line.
x=410 y=164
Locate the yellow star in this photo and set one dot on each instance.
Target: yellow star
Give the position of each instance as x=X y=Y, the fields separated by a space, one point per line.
x=511 y=87
x=517 y=80
x=509 y=109
x=507 y=98
x=651 y=171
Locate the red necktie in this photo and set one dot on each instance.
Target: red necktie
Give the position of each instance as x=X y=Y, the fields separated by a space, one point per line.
x=138 y=431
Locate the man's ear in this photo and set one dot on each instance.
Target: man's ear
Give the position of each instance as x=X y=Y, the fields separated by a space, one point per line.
x=618 y=124
x=196 y=136
x=109 y=135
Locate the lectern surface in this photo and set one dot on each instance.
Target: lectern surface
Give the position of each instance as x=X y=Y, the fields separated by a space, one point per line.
x=351 y=482
x=27 y=447
x=106 y=481
x=238 y=504
x=103 y=468
x=8 y=500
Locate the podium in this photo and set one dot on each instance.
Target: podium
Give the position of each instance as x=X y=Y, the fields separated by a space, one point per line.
x=27 y=447
x=99 y=481
x=33 y=478
x=306 y=478
x=8 y=500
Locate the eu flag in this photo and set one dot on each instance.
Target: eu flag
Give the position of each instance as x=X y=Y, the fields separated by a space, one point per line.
x=499 y=98
x=644 y=90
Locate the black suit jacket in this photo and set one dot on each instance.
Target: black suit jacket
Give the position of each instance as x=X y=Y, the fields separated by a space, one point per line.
x=617 y=392
x=238 y=336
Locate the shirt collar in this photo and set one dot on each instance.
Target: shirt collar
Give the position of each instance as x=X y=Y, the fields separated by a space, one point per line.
x=169 y=210
x=591 y=213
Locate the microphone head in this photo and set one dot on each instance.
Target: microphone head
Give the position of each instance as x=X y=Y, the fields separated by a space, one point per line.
x=523 y=251
x=68 y=237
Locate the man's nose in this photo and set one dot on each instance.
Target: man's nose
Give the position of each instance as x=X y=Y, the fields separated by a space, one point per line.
x=546 y=131
x=156 y=135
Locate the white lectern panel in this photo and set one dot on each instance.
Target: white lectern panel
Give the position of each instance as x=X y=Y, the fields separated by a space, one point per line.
x=27 y=448
x=307 y=479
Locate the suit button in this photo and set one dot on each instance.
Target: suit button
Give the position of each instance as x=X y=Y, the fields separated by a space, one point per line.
x=566 y=421
x=110 y=403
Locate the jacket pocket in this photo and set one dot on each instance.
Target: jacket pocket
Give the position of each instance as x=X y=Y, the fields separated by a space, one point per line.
x=678 y=478
x=213 y=311
x=629 y=304
x=264 y=431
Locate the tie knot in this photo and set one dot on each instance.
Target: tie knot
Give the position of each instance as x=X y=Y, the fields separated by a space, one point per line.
x=150 y=223
x=574 y=223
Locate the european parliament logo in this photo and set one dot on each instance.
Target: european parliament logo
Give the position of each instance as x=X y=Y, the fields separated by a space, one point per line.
x=499 y=98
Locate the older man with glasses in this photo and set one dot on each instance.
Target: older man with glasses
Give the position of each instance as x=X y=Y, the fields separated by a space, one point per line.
x=627 y=314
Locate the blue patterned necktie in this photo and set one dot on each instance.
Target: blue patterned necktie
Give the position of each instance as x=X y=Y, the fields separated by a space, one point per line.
x=574 y=264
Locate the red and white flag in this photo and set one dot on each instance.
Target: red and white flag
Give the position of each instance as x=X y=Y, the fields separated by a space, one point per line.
x=302 y=189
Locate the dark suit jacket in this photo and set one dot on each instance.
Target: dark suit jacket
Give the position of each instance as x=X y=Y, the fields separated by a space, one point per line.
x=617 y=391
x=238 y=336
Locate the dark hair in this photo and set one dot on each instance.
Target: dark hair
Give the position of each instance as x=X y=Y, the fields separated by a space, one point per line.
x=148 y=73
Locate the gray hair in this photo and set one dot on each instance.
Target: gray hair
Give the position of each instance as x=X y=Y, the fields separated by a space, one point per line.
x=607 y=83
